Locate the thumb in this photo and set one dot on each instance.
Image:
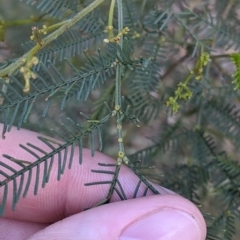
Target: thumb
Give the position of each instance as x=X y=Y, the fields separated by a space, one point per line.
x=158 y=217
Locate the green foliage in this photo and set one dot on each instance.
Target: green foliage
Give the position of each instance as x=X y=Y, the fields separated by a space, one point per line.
x=127 y=66
x=56 y=8
x=235 y=57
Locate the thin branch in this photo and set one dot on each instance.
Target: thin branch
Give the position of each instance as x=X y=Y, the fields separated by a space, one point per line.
x=45 y=41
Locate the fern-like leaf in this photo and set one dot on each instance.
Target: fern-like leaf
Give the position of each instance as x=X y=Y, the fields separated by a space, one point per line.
x=60 y=152
x=55 y=8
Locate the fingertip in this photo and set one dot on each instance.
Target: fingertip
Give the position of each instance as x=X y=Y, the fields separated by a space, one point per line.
x=167 y=223
x=167 y=217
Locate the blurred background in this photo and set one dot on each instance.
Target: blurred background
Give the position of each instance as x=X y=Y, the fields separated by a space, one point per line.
x=178 y=149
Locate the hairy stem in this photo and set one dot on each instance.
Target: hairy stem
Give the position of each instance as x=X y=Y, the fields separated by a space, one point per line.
x=110 y=20
x=118 y=84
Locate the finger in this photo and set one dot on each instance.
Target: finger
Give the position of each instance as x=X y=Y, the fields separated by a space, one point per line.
x=68 y=196
x=167 y=217
x=18 y=230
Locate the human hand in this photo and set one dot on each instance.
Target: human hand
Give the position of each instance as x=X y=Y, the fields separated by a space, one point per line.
x=57 y=211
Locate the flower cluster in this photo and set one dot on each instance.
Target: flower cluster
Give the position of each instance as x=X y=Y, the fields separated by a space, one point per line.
x=28 y=73
x=182 y=92
x=203 y=61
x=116 y=38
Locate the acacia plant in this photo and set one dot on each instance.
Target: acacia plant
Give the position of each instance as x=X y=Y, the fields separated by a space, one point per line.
x=114 y=68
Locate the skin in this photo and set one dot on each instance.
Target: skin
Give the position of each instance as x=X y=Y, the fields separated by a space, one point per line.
x=57 y=212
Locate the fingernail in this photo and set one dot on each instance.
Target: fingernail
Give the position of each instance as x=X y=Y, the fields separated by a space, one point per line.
x=167 y=224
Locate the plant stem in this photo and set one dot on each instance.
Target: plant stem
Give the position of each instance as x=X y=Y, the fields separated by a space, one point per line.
x=110 y=20
x=118 y=71
x=120 y=20
x=227 y=55
x=118 y=95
